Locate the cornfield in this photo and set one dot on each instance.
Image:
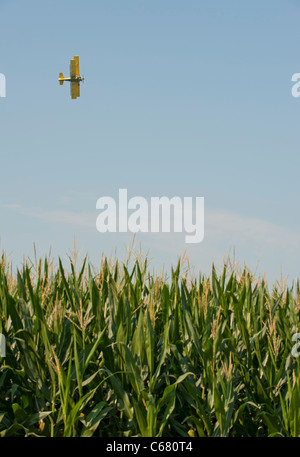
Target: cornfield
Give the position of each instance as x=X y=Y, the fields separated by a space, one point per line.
x=124 y=352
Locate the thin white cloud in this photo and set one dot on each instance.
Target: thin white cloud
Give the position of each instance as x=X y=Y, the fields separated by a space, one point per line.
x=76 y=219
x=230 y=225
x=12 y=206
x=80 y=219
x=219 y=225
x=253 y=240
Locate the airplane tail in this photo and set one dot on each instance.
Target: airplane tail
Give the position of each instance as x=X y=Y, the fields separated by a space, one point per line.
x=61 y=75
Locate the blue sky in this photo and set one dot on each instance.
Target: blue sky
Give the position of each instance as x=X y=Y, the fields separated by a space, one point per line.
x=187 y=98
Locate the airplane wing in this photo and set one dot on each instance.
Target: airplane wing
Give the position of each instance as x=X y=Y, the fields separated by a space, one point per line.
x=76 y=58
x=72 y=68
x=75 y=89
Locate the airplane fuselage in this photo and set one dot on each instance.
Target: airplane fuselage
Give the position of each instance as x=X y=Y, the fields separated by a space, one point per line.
x=72 y=79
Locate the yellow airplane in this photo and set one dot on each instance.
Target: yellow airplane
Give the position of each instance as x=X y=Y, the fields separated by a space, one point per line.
x=74 y=78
